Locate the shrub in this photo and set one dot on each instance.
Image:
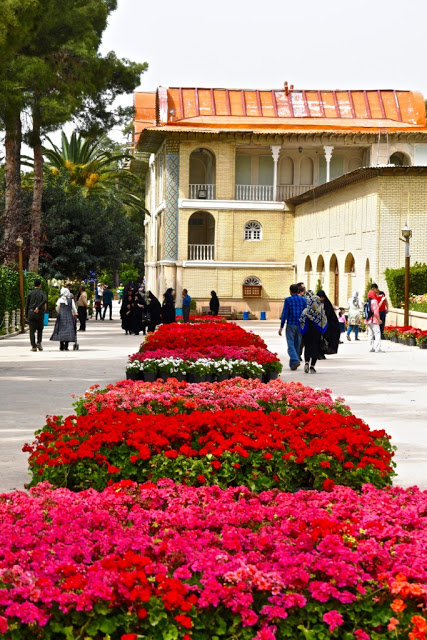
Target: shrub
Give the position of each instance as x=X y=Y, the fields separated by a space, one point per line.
x=396 y=282
x=10 y=296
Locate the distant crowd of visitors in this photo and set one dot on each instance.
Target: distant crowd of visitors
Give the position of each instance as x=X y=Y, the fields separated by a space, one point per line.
x=141 y=311
x=312 y=325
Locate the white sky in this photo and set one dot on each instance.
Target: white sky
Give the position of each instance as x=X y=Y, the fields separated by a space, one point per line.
x=334 y=44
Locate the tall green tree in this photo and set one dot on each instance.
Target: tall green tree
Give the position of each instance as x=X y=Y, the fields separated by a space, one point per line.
x=83 y=234
x=97 y=167
x=55 y=76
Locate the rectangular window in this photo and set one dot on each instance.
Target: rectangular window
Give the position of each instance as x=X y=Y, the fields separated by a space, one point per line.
x=265 y=170
x=421 y=155
x=243 y=170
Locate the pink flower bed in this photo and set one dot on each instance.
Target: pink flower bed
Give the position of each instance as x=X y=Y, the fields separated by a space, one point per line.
x=180 y=397
x=171 y=561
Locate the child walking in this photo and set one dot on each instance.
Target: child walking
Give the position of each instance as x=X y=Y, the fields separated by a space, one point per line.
x=341 y=320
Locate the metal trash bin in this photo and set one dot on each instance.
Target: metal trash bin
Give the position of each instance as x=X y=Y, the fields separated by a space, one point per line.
x=246 y=315
x=262 y=315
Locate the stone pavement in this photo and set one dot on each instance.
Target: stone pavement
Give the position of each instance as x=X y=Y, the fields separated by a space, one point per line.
x=388 y=390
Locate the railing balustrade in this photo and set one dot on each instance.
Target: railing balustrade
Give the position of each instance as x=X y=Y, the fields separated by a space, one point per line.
x=257 y=192
x=202 y=191
x=264 y=193
x=286 y=191
x=201 y=252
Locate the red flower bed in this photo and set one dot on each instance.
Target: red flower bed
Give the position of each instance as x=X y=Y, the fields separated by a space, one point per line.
x=185 y=563
x=188 y=336
x=226 y=448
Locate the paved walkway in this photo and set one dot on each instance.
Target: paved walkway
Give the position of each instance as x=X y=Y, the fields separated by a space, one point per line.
x=388 y=390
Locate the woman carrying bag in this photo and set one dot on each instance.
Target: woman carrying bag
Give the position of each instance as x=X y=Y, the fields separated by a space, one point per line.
x=313 y=324
x=65 y=325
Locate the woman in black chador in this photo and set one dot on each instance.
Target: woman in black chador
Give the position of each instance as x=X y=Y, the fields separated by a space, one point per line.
x=168 y=307
x=141 y=311
x=331 y=337
x=214 y=304
x=154 y=311
x=128 y=311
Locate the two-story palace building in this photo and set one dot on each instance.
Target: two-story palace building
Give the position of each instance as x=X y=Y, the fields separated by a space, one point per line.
x=235 y=188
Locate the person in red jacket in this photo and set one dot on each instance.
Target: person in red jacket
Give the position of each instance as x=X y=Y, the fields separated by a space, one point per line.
x=373 y=323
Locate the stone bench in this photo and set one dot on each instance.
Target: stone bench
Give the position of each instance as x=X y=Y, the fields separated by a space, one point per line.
x=223 y=311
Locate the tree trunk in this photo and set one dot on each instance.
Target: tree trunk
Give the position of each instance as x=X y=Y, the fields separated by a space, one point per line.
x=36 y=208
x=12 y=217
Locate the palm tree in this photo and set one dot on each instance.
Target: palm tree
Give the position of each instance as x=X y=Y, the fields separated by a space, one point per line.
x=95 y=169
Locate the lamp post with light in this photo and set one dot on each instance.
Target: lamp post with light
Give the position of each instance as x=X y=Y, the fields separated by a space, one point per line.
x=406 y=236
x=19 y=242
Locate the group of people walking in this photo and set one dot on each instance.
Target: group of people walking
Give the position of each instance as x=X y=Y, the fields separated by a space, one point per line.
x=65 y=328
x=141 y=312
x=312 y=325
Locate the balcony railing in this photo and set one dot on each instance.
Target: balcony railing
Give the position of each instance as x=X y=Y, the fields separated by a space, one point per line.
x=202 y=192
x=258 y=192
x=286 y=191
x=201 y=252
x=263 y=193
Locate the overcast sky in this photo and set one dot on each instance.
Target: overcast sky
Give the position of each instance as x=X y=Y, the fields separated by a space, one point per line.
x=241 y=44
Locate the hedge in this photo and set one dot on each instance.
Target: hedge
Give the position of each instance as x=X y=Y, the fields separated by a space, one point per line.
x=10 y=297
x=395 y=279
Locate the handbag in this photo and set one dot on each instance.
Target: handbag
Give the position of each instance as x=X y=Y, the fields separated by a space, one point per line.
x=324 y=345
x=45 y=319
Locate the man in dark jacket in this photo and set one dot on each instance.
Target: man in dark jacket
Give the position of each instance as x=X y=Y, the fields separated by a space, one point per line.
x=34 y=312
x=107 y=299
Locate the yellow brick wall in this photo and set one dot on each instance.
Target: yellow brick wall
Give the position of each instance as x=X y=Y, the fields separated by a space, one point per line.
x=403 y=200
x=224 y=153
x=364 y=220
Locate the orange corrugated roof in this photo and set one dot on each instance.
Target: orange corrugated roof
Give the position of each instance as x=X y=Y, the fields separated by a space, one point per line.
x=280 y=109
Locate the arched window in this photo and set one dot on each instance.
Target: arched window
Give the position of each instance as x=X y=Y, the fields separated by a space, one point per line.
x=202 y=174
x=349 y=269
x=308 y=268
x=201 y=236
x=400 y=159
x=334 y=280
x=286 y=172
x=252 y=287
x=306 y=172
x=253 y=231
x=320 y=264
x=252 y=281
x=349 y=266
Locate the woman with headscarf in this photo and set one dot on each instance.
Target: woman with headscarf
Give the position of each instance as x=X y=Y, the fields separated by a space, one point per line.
x=332 y=333
x=141 y=311
x=313 y=324
x=355 y=307
x=65 y=325
x=127 y=310
x=214 y=304
x=168 y=307
x=154 y=311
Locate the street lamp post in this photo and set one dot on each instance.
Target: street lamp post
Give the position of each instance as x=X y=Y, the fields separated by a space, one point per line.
x=406 y=236
x=19 y=242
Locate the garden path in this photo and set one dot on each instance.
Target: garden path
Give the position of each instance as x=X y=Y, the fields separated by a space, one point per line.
x=388 y=390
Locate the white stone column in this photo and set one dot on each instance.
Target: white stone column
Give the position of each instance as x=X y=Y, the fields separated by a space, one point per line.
x=328 y=155
x=275 y=150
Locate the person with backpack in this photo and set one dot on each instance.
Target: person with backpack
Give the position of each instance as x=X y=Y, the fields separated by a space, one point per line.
x=371 y=314
x=354 y=315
